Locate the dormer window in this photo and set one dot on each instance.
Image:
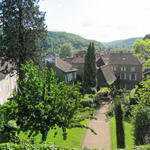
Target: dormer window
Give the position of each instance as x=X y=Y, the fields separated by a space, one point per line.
x=123 y=68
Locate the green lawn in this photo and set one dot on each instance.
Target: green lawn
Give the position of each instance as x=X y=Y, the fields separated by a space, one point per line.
x=128 y=128
x=74 y=138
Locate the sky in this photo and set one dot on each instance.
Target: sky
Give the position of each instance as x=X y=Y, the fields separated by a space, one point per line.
x=101 y=20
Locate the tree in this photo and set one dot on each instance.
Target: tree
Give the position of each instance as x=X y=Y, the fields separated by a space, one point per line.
x=89 y=76
x=23 y=31
x=66 y=50
x=141 y=111
x=141 y=49
x=119 y=124
x=43 y=103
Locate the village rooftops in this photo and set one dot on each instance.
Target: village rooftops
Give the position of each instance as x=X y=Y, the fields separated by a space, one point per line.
x=62 y=65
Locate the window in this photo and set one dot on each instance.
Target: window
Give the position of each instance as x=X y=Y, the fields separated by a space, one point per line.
x=122 y=76
x=123 y=68
x=132 y=69
x=1 y=101
x=114 y=68
x=69 y=77
x=133 y=76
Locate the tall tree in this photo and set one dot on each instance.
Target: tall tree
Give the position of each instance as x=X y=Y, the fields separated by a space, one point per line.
x=43 y=103
x=141 y=49
x=89 y=77
x=66 y=50
x=119 y=124
x=23 y=31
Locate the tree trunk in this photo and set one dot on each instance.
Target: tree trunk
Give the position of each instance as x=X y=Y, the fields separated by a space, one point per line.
x=44 y=135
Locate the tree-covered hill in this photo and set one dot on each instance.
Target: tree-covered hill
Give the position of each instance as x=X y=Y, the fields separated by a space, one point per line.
x=127 y=43
x=56 y=39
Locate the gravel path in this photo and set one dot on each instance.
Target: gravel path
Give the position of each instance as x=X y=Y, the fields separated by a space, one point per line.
x=101 y=127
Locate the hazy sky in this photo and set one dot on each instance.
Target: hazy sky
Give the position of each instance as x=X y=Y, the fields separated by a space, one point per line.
x=101 y=20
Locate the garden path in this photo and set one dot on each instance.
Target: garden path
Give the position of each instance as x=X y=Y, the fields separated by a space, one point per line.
x=101 y=127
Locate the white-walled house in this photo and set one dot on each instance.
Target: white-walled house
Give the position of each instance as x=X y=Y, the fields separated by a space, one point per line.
x=8 y=82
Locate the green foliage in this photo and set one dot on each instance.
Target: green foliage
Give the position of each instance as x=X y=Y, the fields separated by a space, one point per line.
x=89 y=76
x=122 y=43
x=43 y=103
x=141 y=121
x=120 y=49
x=119 y=123
x=141 y=49
x=143 y=92
x=66 y=50
x=24 y=31
x=141 y=112
x=74 y=139
x=103 y=91
x=88 y=100
x=128 y=128
x=56 y=39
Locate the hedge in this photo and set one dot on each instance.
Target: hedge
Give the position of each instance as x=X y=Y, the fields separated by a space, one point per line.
x=10 y=146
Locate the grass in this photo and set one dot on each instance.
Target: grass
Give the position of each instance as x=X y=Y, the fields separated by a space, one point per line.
x=128 y=129
x=74 y=137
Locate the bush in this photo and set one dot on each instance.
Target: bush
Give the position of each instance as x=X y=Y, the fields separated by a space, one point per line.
x=10 y=131
x=141 y=120
x=88 y=100
x=102 y=94
x=10 y=146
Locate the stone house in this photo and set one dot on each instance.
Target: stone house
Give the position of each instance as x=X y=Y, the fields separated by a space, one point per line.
x=64 y=71
x=127 y=69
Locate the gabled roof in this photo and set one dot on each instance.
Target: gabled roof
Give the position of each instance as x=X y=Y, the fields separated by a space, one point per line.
x=108 y=74
x=123 y=59
x=62 y=65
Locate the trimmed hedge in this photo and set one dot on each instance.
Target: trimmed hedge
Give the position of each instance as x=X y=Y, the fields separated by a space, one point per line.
x=10 y=146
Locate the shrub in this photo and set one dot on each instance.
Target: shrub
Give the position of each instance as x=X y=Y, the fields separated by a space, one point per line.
x=119 y=123
x=88 y=100
x=103 y=93
x=141 y=120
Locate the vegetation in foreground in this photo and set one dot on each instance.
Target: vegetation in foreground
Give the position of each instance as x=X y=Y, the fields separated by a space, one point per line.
x=128 y=129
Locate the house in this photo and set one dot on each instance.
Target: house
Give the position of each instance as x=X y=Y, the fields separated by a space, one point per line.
x=8 y=82
x=77 y=62
x=64 y=71
x=127 y=68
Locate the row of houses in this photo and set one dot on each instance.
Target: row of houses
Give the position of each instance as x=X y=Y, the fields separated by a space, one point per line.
x=122 y=67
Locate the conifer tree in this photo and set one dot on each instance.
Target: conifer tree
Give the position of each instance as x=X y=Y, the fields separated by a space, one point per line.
x=23 y=31
x=89 y=77
x=119 y=124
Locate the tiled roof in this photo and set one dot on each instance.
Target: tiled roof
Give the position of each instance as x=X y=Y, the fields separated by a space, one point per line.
x=5 y=67
x=108 y=74
x=79 y=60
x=63 y=65
x=123 y=59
